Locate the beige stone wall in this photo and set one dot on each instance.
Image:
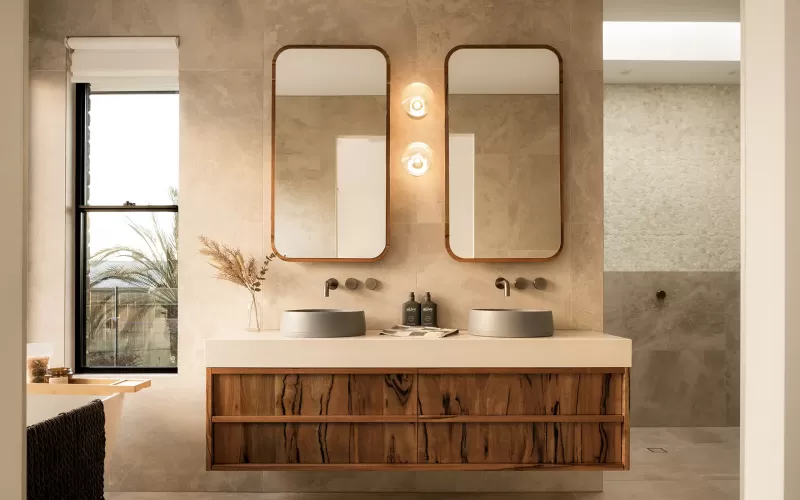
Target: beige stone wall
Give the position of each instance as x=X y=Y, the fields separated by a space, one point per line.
x=225 y=74
x=517 y=171
x=305 y=174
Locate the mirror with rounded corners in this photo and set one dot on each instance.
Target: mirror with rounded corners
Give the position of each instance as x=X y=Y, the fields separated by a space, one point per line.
x=503 y=153
x=330 y=144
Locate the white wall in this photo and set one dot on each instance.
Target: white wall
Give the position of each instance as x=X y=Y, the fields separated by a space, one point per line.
x=462 y=195
x=13 y=161
x=770 y=244
x=360 y=201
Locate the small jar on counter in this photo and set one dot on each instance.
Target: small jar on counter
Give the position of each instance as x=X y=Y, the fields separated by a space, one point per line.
x=59 y=375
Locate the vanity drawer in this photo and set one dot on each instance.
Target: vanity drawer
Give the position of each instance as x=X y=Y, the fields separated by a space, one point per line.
x=558 y=392
x=520 y=443
x=315 y=443
x=313 y=394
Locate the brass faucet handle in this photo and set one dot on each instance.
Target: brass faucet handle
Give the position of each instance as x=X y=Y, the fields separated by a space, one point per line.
x=351 y=283
x=503 y=285
x=540 y=283
x=371 y=283
x=520 y=283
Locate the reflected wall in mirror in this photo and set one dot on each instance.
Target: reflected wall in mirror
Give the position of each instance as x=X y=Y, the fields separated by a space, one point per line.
x=504 y=153
x=330 y=183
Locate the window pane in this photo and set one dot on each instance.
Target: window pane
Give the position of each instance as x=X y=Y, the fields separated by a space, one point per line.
x=133 y=149
x=131 y=289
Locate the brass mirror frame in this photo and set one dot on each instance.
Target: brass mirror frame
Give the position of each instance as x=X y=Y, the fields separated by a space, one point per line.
x=447 y=151
x=274 y=154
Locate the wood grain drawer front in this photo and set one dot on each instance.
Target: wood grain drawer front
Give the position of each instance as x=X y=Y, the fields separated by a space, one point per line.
x=313 y=394
x=520 y=443
x=521 y=394
x=315 y=443
x=243 y=394
x=307 y=394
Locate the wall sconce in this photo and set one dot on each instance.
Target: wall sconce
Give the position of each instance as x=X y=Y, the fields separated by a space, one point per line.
x=416 y=98
x=417 y=158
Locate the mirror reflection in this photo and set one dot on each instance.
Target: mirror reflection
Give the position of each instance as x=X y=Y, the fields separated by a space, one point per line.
x=504 y=153
x=330 y=153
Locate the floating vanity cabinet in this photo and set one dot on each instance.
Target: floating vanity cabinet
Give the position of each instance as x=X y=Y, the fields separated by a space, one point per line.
x=417 y=418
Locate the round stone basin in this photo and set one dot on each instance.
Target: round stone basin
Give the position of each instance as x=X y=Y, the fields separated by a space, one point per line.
x=510 y=323
x=323 y=323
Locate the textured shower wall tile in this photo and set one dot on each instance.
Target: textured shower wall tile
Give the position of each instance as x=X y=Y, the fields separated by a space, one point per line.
x=672 y=177
x=678 y=388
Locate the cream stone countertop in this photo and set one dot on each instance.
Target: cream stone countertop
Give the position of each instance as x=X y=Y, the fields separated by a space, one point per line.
x=566 y=349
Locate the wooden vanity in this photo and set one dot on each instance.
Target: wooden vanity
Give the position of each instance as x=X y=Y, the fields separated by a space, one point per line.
x=420 y=417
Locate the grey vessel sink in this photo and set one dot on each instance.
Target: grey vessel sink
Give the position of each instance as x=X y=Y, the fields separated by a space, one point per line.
x=323 y=323
x=510 y=323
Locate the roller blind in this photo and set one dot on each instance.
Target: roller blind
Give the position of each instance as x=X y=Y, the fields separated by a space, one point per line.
x=115 y=64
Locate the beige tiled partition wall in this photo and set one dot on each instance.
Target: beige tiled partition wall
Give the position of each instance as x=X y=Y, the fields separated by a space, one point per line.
x=672 y=224
x=225 y=62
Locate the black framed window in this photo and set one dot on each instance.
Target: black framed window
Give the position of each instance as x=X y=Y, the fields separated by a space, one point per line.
x=126 y=231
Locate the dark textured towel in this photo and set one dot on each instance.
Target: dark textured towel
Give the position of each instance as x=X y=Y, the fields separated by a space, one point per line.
x=66 y=455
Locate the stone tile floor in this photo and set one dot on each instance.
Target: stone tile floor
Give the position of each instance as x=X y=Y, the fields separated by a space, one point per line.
x=699 y=464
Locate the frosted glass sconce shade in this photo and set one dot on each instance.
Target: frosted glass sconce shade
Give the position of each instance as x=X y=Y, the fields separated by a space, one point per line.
x=416 y=99
x=417 y=158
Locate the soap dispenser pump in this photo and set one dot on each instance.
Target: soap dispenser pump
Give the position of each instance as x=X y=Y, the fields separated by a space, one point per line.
x=429 y=311
x=411 y=311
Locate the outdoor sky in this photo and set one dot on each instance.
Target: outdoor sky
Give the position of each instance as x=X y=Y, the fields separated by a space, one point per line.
x=133 y=156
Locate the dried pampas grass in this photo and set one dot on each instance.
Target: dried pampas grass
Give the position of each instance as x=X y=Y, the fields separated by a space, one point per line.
x=232 y=266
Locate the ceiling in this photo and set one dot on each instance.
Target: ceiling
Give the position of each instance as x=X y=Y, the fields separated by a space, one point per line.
x=667 y=72
x=671 y=10
x=671 y=52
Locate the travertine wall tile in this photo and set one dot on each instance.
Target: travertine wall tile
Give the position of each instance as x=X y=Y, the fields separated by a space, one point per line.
x=306 y=166
x=226 y=55
x=699 y=314
x=671 y=388
x=517 y=171
x=144 y=17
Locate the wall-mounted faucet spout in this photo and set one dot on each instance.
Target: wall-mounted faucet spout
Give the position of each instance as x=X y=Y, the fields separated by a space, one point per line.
x=330 y=284
x=504 y=285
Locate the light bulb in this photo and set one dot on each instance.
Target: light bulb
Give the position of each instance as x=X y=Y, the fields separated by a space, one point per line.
x=415 y=98
x=417 y=158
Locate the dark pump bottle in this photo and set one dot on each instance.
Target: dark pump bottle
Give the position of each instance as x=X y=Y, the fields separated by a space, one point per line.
x=411 y=311
x=429 y=311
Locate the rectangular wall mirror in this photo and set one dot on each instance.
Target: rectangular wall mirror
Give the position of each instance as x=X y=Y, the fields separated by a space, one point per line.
x=330 y=144
x=504 y=153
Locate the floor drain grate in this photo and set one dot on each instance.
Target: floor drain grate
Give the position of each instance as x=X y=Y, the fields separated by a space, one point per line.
x=657 y=450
